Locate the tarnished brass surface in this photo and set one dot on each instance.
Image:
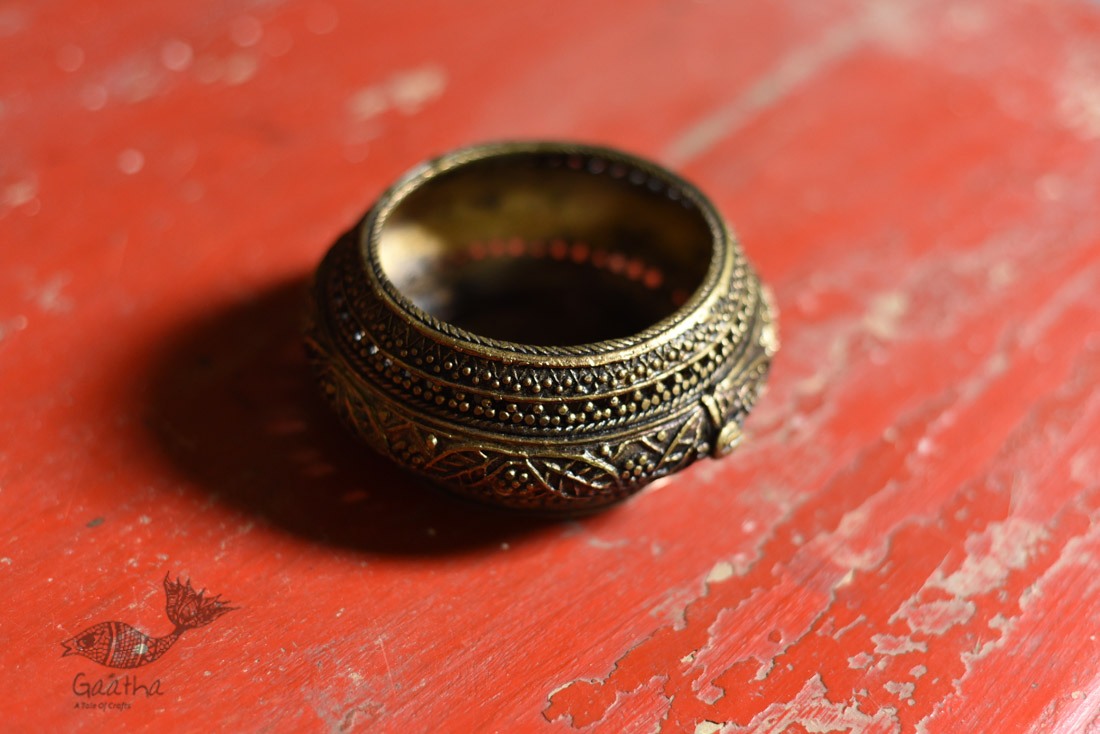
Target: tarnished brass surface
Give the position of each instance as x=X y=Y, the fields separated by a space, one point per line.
x=541 y=325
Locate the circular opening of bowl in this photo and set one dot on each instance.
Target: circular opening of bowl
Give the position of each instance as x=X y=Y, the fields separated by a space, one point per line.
x=546 y=248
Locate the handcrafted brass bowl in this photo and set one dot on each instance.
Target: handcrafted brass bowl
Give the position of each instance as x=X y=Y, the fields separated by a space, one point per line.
x=541 y=325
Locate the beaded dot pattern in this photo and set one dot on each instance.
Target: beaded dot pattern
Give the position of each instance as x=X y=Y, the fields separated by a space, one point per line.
x=519 y=430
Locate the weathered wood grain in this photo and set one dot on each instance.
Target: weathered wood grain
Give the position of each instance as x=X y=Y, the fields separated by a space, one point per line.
x=907 y=541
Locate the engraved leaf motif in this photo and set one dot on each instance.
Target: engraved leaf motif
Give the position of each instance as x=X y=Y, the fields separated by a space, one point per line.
x=683 y=445
x=580 y=476
x=464 y=466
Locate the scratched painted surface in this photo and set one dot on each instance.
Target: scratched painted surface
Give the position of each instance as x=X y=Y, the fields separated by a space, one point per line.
x=907 y=542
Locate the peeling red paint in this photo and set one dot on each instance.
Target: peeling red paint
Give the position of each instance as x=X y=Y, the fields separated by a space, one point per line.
x=907 y=540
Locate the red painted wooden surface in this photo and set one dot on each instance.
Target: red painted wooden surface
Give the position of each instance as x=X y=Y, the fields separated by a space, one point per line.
x=908 y=541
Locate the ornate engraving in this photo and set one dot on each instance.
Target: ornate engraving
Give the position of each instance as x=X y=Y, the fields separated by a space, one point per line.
x=558 y=429
x=672 y=416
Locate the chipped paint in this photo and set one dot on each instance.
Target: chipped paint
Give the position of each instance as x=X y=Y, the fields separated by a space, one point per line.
x=50 y=295
x=860 y=661
x=788 y=75
x=812 y=709
x=904 y=691
x=406 y=92
x=722 y=571
x=1079 y=103
x=897 y=645
x=1004 y=547
x=885 y=313
x=131 y=161
x=937 y=616
x=906 y=541
x=19 y=323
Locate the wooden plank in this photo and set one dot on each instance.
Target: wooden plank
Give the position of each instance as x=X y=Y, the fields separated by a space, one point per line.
x=907 y=541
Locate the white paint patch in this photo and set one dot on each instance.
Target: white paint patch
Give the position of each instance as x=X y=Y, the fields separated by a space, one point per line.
x=603 y=544
x=707 y=727
x=891 y=24
x=885 y=313
x=406 y=91
x=672 y=605
x=1079 y=102
x=1002 y=623
x=814 y=712
x=860 y=661
x=19 y=193
x=1051 y=187
x=176 y=55
x=789 y=74
x=896 y=25
x=895 y=645
x=1084 y=467
x=1010 y=546
x=50 y=296
x=918 y=670
x=850 y=626
x=235 y=69
x=239 y=68
x=1001 y=275
x=722 y=571
x=135 y=78
x=741 y=563
x=904 y=691
x=935 y=617
x=131 y=161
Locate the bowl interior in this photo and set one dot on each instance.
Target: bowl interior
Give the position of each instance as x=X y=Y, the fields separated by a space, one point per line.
x=546 y=249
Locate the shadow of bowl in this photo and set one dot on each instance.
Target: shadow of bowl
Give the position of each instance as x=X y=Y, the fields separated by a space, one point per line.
x=233 y=406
